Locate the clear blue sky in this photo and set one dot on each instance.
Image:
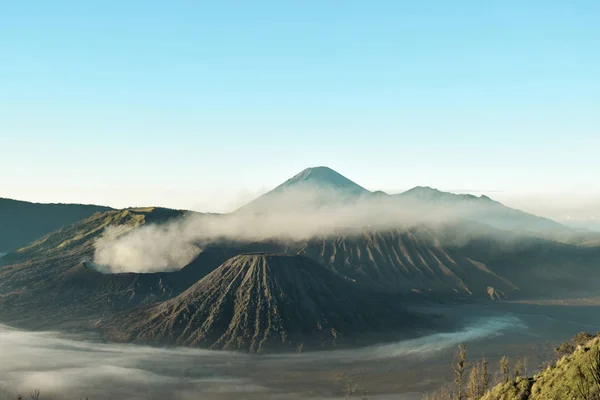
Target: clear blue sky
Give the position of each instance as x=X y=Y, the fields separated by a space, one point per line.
x=201 y=105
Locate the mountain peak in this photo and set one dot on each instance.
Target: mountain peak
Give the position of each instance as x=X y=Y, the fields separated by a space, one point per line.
x=311 y=187
x=487 y=198
x=318 y=170
x=424 y=192
x=423 y=189
x=322 y=176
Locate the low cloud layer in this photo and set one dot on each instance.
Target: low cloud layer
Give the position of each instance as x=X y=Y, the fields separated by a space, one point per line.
x=581 y=211
x=290 y=216
x=295 y=215
x=74 y=367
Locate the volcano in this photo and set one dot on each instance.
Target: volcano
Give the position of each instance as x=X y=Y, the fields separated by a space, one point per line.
x=267 y=302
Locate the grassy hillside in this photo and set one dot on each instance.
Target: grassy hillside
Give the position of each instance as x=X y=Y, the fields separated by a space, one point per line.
x=22 y=222
x=574 y=375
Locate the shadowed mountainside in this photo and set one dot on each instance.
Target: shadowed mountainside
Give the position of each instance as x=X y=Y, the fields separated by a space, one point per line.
x=51 y=282
x=405 y=260
x=263 y=302
x=22 y=222
x=454 y=261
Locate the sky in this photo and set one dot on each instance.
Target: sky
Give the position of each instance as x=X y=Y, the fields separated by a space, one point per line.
x=205 y=104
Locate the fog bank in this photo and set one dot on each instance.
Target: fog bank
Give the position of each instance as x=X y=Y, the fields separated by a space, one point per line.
x=293 y=215
x=73 y=367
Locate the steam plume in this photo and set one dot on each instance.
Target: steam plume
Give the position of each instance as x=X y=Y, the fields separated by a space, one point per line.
x=293 y=215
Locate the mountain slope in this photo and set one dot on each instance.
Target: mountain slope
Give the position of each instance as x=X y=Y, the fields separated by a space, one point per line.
x=78 y=237
x=51 y=282
x=465 y=258
x=408 y=260
x=260 y=302
x=481 y=209
x=447 y=261
x=315 y=188
x=22 y=222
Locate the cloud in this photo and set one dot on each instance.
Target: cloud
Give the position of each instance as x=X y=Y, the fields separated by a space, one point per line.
x=296 y=215
x=76 y=366
x=64 y=366
x=293 y=215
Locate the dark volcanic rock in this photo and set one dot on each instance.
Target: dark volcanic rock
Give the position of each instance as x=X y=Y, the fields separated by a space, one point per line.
x=261 y=302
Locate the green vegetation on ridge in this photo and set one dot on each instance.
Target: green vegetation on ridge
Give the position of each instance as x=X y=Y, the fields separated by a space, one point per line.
x=575 y=375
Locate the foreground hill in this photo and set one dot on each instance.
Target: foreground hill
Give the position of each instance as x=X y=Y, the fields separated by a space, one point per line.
x=259 y=302
x=574 y=376
x=22 y=222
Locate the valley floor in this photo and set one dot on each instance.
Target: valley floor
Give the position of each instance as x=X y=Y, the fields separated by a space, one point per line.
x=80 y=366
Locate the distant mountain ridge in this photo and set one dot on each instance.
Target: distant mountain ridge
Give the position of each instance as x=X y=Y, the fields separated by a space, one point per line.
x=319 y=186
x=482 y=209
x=428 y=193
x=22 y=222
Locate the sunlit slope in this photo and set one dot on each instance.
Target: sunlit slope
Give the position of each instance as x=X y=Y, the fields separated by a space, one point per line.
x=571 y=377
